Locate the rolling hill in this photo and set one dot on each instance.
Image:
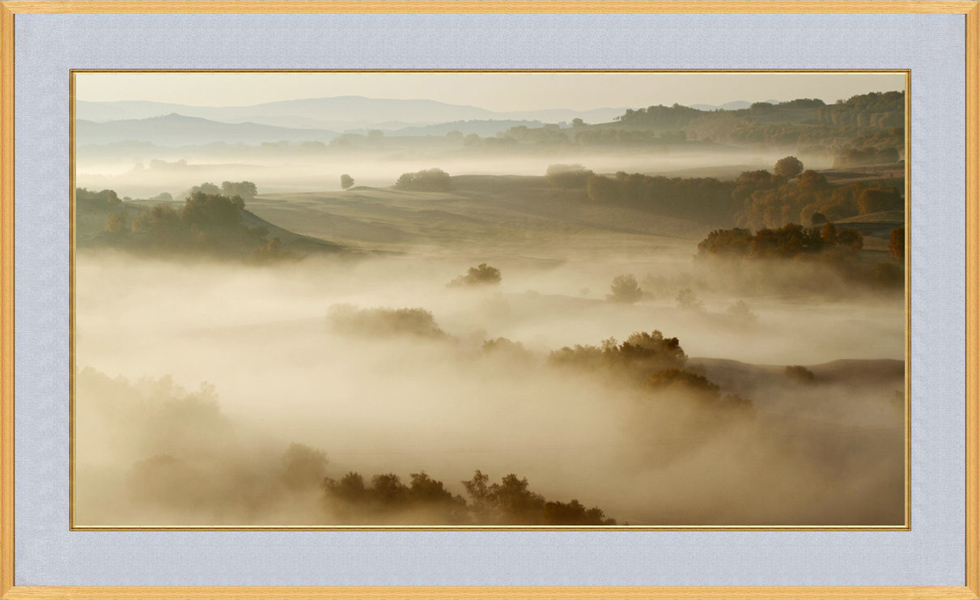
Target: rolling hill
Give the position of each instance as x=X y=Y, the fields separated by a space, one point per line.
x=178 y=130
x=340 y=113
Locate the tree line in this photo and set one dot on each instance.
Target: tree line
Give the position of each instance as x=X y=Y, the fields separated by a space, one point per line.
x=756 y=199
x=424 y=500
x=208 y=223
x=829 y=244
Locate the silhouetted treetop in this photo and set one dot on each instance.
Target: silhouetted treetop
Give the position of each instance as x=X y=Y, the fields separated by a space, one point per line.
x=427 y=501
x=641 y=352
x=788 y=167
x=481 y=275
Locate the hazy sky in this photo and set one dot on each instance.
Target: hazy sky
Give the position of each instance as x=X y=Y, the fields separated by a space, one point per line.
x=493 y=91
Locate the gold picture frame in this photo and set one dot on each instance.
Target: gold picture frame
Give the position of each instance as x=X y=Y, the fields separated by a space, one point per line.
x=968 y=8
x=907 y=494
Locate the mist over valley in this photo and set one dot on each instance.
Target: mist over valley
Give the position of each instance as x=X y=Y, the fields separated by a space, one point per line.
x=329 y=316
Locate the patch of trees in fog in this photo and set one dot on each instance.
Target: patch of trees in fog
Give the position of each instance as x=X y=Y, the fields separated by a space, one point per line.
x=104 y=200
x=804 y=123
x=829 y=245
x=770 y=200
x=789 y=241
x=624 y=289
x=206 y=224
x=756 y=199
x=480 y=275
x=428 y=180
x=568 y=176
x=806 y=126
x=875 y=109
x=701 y=199
x=245 y=190
x=640 y=355
x=383 y=322
x=426 y=501
x=210 y=223
x=652 y=360
x=186 y=460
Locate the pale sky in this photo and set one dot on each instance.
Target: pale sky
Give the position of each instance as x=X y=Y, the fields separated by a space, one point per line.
x=493 y=91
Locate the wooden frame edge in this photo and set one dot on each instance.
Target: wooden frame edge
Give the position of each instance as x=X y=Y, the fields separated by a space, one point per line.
x=491 y=6
x=971 y=10
x=973 y=300
x=6 y=300
x=494 y=593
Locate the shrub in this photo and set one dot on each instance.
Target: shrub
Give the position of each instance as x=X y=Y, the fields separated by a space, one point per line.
x=431 y=180
x=483 y=274
x=624 y=290
x=568 y=176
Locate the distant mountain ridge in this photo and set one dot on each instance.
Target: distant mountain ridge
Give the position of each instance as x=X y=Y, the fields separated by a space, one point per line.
x=733 y=105
x=334 y=113
x=176 y=129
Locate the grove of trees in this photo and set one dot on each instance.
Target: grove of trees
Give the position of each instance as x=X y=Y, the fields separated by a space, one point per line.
x=387 y=499
x=382 y=322
x=568 y=176
x=480 y=275
x=429 y=180
x=702 y=199
x=789 y=241
x=769 y=200
x=206 y=224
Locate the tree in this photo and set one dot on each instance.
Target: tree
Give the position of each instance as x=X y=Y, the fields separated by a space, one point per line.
x=896 y=244
x=303 y=467
x=625 y=290
x=850 y=239
x=346 y=181
x=829 y=234
x=205 y=188
x=245 y=190
x=576 y=122
x=350 y=488
x=568 y=176
x=389 y=490
x=384 y=321
x=874 y=200
x=116 y=223
x=483 y=274
x=688 y=300
x=812 y=181
x=104 y=200
x=788 y=167
x=432 y=180
x=573 y=513
x=730 y=242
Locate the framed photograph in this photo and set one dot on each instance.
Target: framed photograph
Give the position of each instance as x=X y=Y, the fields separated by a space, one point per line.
x=525 y=299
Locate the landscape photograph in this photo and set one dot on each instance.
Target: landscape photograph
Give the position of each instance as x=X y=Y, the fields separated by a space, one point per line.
x=530 y=299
